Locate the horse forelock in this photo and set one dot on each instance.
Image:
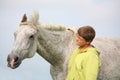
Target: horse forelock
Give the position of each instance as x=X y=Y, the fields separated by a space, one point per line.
x=34 y=18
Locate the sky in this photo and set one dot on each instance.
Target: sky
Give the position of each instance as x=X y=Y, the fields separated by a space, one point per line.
x=102 y=15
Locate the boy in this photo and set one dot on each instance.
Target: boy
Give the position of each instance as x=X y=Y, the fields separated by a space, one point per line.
x=84 y=63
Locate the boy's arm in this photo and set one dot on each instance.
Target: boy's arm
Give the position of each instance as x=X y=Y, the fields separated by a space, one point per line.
x=92 y=67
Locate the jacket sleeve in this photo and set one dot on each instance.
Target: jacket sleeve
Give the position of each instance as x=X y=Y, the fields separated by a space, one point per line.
x=92 y=67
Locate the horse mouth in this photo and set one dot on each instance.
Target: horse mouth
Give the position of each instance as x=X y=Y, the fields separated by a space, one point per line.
x=14 y=63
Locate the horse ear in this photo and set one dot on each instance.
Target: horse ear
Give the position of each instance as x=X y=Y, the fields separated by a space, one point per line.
x=24 y=19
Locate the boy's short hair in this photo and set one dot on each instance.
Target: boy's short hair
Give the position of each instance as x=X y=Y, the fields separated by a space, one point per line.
x=87 y=32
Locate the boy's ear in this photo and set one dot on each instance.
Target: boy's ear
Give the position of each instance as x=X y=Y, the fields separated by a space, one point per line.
x=24 y=19
x=88 y=42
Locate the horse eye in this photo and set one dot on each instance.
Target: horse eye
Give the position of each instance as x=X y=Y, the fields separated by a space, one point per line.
x=31 y=37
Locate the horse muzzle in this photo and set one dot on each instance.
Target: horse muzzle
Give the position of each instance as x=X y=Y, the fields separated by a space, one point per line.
x=13 y=61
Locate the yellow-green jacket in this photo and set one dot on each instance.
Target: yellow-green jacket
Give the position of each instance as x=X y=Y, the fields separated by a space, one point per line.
x=84 y=65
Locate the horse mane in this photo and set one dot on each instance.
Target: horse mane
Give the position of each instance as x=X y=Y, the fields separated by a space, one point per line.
x=53 y=27
x=34 y=21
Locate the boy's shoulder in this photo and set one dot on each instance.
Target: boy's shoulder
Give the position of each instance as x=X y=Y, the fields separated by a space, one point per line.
x=93 y=51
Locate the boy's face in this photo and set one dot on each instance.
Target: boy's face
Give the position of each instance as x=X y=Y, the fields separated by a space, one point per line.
x=80 y=41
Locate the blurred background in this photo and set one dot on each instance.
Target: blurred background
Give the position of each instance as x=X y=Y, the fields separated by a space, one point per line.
x=103 y=15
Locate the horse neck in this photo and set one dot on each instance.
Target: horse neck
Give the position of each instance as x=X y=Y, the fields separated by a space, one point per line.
x=52 y=44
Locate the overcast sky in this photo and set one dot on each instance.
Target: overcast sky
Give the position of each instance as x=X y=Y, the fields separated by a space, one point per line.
x=103 y=15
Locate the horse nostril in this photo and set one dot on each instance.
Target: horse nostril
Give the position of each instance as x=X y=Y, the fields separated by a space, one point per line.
x=16 y=58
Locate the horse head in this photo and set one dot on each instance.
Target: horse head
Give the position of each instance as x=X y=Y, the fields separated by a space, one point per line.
x=25 y=42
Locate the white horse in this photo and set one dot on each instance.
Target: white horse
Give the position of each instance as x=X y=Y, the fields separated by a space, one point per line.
x=55 y=43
